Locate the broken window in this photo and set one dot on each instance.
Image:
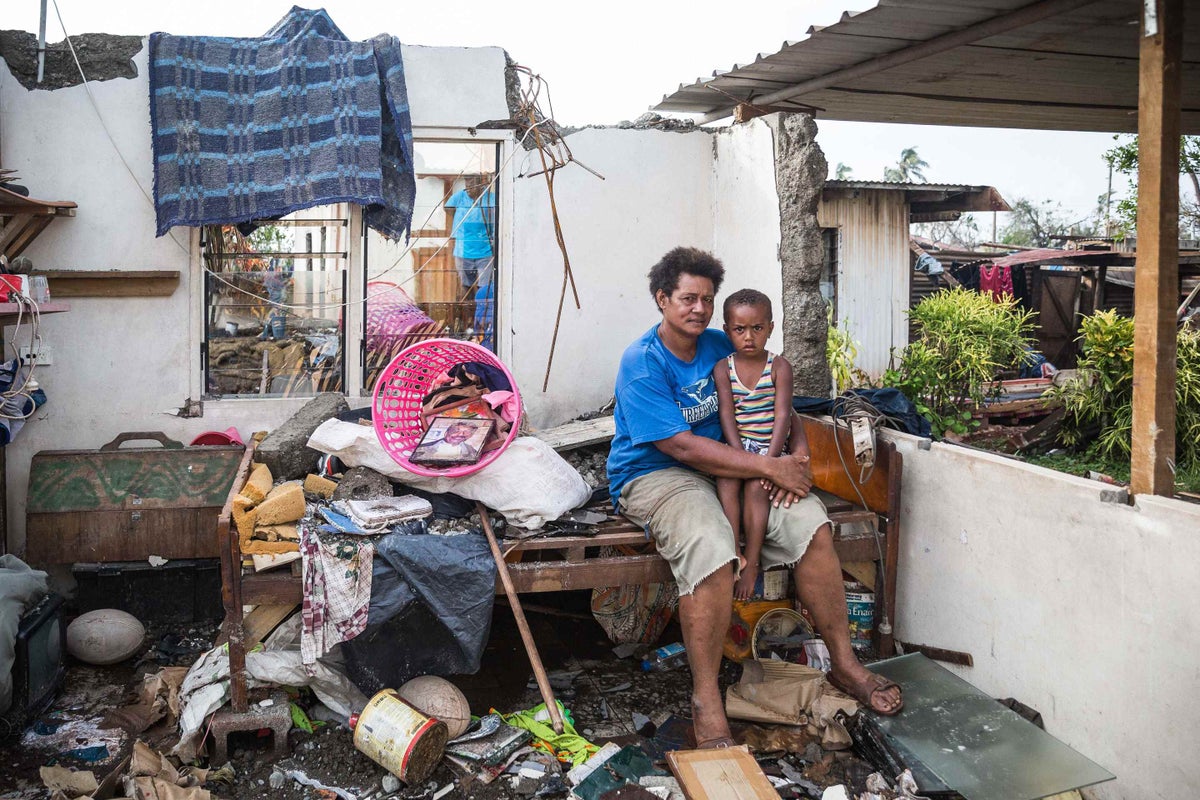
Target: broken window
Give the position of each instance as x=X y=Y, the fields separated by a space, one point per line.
x=444 y=281
x=830 y=241
x=274 y=305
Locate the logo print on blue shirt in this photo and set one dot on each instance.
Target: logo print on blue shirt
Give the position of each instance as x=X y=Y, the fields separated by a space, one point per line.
x=705 y=398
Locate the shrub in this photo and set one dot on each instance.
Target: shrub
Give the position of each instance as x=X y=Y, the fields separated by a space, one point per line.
x=964 y=340
x=841 y=350
x=1099 y=400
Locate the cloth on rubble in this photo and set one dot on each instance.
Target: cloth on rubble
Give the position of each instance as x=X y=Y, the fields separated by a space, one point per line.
x=996 y=281
x=901 y=413
x=436 y=590
x=20 y=588
x=503 y=402
x=337 y=589
x=929 y=265
x=568 y=746
x=277 y=662
x=528 y=483
x=273 y=108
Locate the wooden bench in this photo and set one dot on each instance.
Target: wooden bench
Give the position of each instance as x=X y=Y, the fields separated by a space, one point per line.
x=553 y=563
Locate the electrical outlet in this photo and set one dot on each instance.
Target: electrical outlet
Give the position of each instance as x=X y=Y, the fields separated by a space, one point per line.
x=45 y=356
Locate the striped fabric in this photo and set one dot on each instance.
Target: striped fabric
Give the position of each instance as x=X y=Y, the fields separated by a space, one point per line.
x=258 y=128
x=754 y=407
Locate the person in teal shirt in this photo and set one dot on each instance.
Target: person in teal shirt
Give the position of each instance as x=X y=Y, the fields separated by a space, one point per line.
x=474 y=232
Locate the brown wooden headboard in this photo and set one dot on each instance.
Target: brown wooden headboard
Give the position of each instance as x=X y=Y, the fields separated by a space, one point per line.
x=830 y=475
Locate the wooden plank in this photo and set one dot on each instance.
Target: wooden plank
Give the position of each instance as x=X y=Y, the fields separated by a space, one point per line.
x=259 y=623
x=557 y=576
x=579 y=433
x=1157 y=274
x=727 y=773
x=111 y=283
x=940 y=654
x=271 y=588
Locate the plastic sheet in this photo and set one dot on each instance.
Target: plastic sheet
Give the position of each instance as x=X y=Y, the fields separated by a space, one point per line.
x=431 y=610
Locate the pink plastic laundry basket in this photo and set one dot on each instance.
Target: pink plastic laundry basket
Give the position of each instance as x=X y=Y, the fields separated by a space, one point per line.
x=403 y=384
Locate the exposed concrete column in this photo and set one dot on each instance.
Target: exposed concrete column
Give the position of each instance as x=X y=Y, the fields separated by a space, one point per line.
x=800 y=170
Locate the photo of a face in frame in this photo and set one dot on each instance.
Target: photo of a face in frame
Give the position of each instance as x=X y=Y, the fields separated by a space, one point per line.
x=451 y=440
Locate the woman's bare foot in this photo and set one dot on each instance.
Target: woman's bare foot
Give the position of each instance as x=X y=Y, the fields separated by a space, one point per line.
x=744 y=588
x=874 y=691
x=710 y=724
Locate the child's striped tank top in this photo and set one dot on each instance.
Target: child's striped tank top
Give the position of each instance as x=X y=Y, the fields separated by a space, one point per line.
x=754 y=408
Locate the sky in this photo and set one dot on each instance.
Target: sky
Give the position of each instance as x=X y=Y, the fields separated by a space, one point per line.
x=610 y=61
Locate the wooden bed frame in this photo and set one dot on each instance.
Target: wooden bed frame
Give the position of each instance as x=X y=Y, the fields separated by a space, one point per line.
x=560 y=563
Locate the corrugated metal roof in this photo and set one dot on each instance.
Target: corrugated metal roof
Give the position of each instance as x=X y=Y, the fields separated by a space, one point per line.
x=931 y=197
x=1073 y=69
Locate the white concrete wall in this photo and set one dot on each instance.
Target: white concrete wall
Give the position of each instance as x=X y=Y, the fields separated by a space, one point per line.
x=873 y=267
x=656 y=195
x=1081 y=608
x=746 y=232
x=661 y=190
x=120 y=363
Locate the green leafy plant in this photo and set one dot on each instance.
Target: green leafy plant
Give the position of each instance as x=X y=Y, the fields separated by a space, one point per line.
x=841 y=351
x=965 y=339
x=1099 y=400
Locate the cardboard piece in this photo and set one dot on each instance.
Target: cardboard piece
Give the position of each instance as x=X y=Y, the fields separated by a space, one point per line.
x=782 y=693
x=69 y=782
x=727 y=773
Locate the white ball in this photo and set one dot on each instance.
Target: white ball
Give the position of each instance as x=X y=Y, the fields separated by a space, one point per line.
x=104 y=636
x=439 y=698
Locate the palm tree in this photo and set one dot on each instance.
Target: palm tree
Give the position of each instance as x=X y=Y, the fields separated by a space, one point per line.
x=842 y=172
x=910 y=166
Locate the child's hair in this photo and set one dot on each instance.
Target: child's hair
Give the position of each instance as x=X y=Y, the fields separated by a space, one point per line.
x=748 y=297
x=665 y=274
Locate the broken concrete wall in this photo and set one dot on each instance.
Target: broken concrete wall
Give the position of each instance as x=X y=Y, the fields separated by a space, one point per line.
x=1067 y=598
x=124 y=363
x=800 y=170
x=663 y=188
x=102 y=56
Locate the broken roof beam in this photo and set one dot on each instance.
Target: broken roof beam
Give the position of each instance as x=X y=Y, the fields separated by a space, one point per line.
x=941 y=44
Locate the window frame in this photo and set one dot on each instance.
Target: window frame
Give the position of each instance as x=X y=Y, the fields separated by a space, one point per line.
x=354 y=352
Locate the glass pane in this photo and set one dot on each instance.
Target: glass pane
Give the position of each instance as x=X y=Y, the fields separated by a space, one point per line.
x=443 y=282
x=951 y=732
x=274 y=309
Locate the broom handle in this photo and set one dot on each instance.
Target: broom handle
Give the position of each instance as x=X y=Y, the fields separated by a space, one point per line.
x=535 y=660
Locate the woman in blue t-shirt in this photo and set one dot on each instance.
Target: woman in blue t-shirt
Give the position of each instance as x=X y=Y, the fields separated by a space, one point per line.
x=665 y=453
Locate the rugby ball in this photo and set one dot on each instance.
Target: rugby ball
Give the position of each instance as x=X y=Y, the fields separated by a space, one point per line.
x=104 y=636
x=438 y=698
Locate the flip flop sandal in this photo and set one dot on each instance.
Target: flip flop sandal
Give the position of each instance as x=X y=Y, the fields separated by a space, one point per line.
x=864 y=691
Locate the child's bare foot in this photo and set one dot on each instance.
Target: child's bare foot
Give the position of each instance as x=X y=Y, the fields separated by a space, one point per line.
x=744 y=589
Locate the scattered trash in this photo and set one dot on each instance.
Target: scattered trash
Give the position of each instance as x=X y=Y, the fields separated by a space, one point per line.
x=671 y=656
x=565 y=746
x=70 y=782
x=625 y=767
x=620 y=687
x=445 y=790
x=157 y=561
x=835 y=793
x=302 y=779
x=89 y=754
x=398 y=737
x=485 y=726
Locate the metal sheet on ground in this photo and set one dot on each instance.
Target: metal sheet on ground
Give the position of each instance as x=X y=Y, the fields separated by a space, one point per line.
x=972 y=743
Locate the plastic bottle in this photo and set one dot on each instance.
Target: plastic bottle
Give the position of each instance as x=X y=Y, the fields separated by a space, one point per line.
x=671 y=656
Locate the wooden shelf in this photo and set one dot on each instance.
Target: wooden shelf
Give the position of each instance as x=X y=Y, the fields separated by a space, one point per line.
x=10 y=311
x=111 y=282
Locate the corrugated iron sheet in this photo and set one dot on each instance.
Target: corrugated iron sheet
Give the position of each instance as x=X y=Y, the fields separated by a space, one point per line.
x=1074 y=71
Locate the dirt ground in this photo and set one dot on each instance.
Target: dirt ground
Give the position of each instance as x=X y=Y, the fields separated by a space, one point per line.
x=602 y=691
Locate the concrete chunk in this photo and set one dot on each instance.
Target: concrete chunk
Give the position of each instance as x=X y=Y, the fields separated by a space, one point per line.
x=362 y=483
x=286 y=451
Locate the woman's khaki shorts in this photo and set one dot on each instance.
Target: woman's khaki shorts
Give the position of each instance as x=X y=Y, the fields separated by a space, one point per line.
x=680 y=509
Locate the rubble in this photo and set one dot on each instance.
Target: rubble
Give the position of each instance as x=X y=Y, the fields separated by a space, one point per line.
x=285 y=451
x=362 y=483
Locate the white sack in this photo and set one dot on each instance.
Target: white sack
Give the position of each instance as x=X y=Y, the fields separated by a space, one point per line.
x=206 y=686
x=529 y=483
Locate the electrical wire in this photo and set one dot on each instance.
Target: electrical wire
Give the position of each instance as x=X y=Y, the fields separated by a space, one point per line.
x=847 y=408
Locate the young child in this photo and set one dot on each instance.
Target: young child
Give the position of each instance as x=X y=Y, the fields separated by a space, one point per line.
x=754 y=416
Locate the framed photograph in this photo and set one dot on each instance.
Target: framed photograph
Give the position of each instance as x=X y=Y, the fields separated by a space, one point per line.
x=451 y=441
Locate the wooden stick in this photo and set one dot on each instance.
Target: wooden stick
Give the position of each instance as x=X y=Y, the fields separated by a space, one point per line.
x=535 y=660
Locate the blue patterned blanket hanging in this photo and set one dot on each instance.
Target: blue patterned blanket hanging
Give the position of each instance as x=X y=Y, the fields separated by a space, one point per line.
x=257 y=128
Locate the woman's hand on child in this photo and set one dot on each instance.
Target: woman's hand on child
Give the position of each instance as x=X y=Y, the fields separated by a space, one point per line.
x=792 y=481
